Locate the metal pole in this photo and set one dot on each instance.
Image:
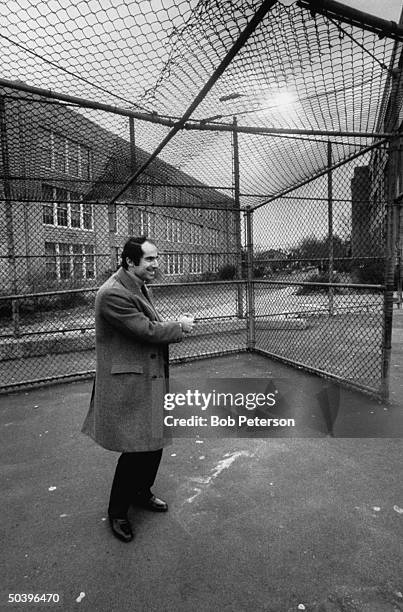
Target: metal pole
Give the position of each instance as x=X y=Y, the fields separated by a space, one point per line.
x=392 y=122
x=399 y=246
x=172 y=122
x=5 y=158
x=50 y=94
x=330 y=223
x=133 y=159
x=237 y=212
x=205 y=125
x=390 y=261
x=251 y=337
x=353 y=16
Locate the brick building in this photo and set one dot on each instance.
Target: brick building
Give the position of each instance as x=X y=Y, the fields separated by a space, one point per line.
x=58 y=170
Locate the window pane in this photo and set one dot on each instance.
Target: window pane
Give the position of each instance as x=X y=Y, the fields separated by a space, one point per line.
x=47 y=214
x=75 y=214
x=62 y=214
x=61 y=209
x=50 y=261
x=64 y=250
x=89 y=261
x=112 y=217
x=77 y=261
x=87 y=216
x=130 y=221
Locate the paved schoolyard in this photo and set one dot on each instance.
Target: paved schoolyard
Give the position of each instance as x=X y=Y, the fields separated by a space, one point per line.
x=275 y=524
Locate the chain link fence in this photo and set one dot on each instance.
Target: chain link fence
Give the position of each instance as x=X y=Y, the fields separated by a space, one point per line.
x=270 y=197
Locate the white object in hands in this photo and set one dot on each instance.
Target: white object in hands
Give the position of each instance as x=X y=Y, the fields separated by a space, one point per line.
x=187 y=322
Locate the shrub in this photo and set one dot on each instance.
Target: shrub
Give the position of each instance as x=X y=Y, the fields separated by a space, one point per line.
x=259 y=272
x=227 y=272
x=208 y=276
x=48 y=303
x=370 y=272
x=318 y=278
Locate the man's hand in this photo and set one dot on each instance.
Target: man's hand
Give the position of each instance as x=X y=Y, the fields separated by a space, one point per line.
x=187 y=322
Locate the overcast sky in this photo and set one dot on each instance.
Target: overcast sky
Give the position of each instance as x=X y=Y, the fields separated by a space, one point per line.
x=387 y=9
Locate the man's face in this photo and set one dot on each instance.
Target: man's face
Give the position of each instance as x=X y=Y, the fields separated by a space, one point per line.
x=146 y=270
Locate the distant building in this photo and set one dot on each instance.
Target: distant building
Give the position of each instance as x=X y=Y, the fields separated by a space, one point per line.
x=57 y=172
x=372 y=185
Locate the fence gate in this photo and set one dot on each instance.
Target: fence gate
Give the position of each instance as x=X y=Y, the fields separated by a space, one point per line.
x=320 y=299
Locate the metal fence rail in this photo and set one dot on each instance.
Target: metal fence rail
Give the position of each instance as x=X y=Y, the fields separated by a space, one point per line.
x=53 y=336
x=339 y=338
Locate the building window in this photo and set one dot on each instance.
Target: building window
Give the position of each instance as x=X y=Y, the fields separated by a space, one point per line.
x=173 y=230
x=214 y=262
x=195 y=263
x=88 y=217
x=116 y=256
x=174 y=263
x=89 y=261
x=112 y=218
x=77 y=261
x=65 y=209
x=213 y=237
x=147 y=223
x=63 y=154
x=130 y=221
x=61 y=208
x=75 y=214
x=66 y=261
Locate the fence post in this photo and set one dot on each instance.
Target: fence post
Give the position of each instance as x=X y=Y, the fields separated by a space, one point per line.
x=251 y=337
x=392 y=123
x=133 y=154
x=399 y=247
x=390 y=264
x=330 y=223
x=8 y=210
x=237 y=208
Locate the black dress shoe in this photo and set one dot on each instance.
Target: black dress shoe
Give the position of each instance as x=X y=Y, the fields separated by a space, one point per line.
x=121 y=529
x=152 y=503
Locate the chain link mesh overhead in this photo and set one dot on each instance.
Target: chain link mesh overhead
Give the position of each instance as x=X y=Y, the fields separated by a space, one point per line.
x=298 y=70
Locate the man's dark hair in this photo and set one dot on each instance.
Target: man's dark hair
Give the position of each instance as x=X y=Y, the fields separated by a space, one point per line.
x=132 y=250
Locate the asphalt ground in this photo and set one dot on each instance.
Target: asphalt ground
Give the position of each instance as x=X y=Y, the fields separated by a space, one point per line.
x=291 y=521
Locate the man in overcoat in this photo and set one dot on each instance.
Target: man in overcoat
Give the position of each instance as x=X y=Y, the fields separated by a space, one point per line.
x=126 y=408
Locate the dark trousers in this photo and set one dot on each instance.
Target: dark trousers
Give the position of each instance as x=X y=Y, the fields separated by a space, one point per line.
x=135 y=474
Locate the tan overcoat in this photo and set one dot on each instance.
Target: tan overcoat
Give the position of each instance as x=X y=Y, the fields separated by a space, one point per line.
x=126 y=409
